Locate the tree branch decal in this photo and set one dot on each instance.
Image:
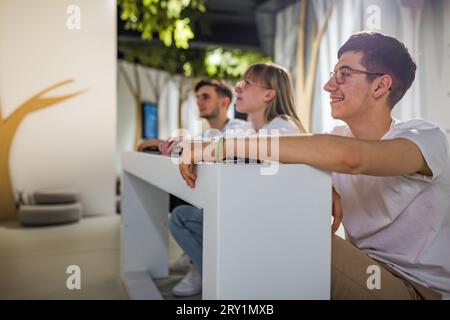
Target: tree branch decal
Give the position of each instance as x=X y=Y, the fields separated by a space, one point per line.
x=8 y=129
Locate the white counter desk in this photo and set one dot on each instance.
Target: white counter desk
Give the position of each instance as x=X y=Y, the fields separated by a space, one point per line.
x=264 y=236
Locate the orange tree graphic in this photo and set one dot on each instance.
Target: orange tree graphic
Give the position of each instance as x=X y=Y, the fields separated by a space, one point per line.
x=8 y=128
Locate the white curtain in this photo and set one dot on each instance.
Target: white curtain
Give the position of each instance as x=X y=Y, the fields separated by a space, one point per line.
x=285 y=44
x=190 y=115
x=341 y=26
x=168 y=108
x=434 y=62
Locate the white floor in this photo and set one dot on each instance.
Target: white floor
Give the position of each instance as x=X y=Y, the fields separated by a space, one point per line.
x=33 y=261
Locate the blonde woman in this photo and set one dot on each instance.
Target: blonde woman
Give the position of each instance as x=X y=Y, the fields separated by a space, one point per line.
x=265 y=94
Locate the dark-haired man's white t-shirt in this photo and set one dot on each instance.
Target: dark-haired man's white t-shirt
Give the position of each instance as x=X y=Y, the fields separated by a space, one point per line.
x=404 y=221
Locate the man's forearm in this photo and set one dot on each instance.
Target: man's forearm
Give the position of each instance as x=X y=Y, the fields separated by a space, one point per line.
x=392 y=157
x=327 y=152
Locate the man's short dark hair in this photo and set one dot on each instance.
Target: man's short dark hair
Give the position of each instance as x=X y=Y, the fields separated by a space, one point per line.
x=222 y=88
x=384 y=54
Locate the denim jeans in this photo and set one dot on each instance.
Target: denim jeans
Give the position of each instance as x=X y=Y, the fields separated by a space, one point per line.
x=186 y=226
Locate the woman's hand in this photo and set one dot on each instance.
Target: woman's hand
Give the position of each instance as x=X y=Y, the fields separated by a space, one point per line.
x=336 y=211
x=188 y=172
x=186 y=163
x=193 y=152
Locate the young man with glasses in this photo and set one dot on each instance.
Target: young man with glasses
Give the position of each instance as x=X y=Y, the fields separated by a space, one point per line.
x=391 y=179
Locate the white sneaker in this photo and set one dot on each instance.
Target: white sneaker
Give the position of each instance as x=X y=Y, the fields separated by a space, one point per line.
x=189 y=286
x=182 y=265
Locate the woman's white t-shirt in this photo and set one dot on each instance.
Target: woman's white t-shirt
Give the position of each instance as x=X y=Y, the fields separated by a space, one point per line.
x=277 y=126
x=280 y=125
x=404 y=221
x=233 y=128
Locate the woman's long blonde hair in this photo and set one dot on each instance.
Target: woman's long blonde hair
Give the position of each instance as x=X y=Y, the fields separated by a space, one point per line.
x=273 y=76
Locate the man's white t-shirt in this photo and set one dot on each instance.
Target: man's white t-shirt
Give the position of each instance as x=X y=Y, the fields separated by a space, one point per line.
x=404 y=221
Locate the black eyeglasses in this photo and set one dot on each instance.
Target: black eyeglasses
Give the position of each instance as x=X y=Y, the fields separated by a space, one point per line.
x=343 y=72
x=242 y=84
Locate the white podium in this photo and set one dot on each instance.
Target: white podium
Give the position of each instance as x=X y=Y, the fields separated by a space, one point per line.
x=264 y=236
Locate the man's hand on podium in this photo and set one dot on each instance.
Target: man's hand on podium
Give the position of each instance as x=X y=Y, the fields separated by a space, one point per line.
x=149 y=143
